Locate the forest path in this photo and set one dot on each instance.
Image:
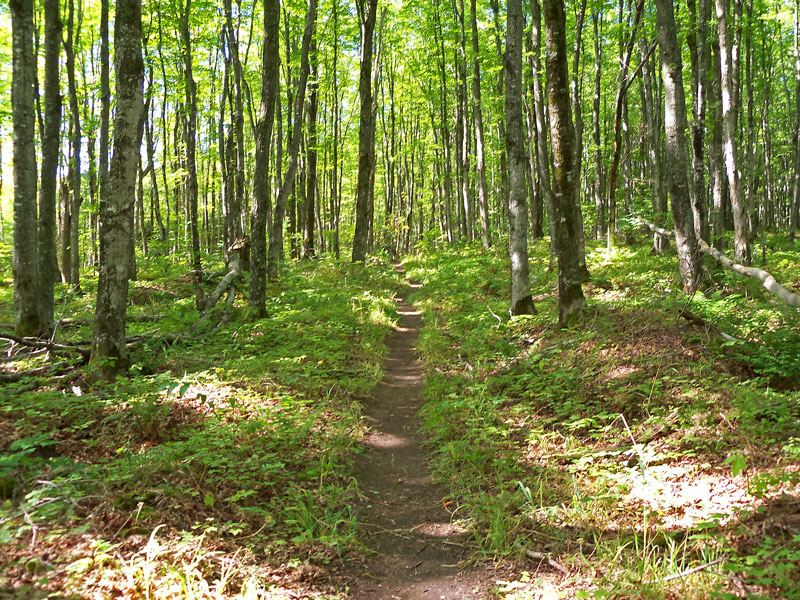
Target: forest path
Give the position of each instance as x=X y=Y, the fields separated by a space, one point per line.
x=418 y=551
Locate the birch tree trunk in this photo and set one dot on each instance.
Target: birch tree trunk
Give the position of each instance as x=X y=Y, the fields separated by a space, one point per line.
x=477 y=115
x=109 y=354
x=730 y=113
x=521 y=299
x=675 y=124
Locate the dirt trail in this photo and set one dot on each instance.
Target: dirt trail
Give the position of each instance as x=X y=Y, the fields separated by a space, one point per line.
x=418 y=551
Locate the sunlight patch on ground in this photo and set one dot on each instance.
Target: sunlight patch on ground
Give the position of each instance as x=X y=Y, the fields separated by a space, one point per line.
x=687 y=495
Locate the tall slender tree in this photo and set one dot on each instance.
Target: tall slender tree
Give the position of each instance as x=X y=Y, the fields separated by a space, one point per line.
x=275 y=250
x=480 y=143
x=570 y=293
x=46 y=241
x=27 y=313
x=262 y=203
x=367 y=15
x=521 y=299
x=191 y=133
x=109 y=354
x=730 y=115
x=677 y=149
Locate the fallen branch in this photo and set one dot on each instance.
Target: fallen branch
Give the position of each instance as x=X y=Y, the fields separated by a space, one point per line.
x=770 y=283
x=670 y=235
x=542 y=556
x=701 y=322
x=31 y=343
x=768 y=280
x=688 y=571
x=49 y=370
x=131 y=319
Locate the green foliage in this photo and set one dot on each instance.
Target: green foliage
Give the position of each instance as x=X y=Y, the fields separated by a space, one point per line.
x=243 y=434
x=573 y=441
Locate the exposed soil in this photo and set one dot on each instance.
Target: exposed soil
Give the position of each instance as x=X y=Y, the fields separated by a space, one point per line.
x=419 y=549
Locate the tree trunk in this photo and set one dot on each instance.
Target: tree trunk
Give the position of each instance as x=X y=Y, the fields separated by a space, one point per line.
x=675 y=124
x=477 y=115
x=191 y=135
x=275 y=252
x=699 y=69
x=367 y=12
x=237 y=216
x=46 y=241
x=521 y=299
x=578 y=126
x=730 y=112
x=27 y=313
x=570 y=294
x=599 y=202
x=311 y=161
x=653 y=143
x=618 y=126
x=542 y=152
x=262 y=195
x=109 y=355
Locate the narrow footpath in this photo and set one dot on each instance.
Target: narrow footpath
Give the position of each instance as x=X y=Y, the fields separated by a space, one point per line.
x=419 y=552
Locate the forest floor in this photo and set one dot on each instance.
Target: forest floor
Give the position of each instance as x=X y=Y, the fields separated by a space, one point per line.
x=374 y=440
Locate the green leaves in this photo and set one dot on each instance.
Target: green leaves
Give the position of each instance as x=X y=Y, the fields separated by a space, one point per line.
x=737 y=462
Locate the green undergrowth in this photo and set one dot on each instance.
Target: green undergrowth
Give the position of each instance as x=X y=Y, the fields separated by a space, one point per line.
x=630 y=448
x=220 y=466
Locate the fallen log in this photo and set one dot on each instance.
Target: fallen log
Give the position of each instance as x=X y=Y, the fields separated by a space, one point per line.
x=69 y=321
x=770 y=283
x=84 y=352
x=46 y=370
x=656 y=229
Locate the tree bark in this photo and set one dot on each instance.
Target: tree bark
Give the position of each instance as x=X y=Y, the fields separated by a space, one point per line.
x=477 y=115
x=675 y=124
x=46 y=240
x=311 y=161
x=27 y=315
x=275 y=251
x=109 y=354
x=653 y=142
x=74 y=203
x=699 y=83
x=570 y=294
x=542 y=152
x=191 y=135
x=367 y=13
x=521 y=299
x=599 y=202
x=730 y=111
x=262 y=195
